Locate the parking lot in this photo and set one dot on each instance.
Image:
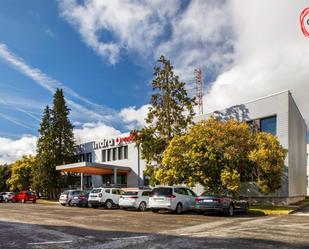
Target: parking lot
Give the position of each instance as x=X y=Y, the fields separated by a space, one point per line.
x=53 y=226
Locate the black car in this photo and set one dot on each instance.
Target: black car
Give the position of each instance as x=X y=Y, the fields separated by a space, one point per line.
x=221 y=203
x=80 y=200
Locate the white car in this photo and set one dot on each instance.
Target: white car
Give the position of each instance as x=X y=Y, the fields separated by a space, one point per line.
x=8 y=196
x=107 y=197
x=178 y=199
x=138 y=199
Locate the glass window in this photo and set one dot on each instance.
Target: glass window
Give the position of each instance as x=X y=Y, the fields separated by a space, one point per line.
x=162 y=191
x=190 y=192
x=130 y=193
x=114 y=154
x=89 y=157
x=269 y=125
x=146 y=193
x=125 y=152
x=108 y=154
x=107 y=190
x=103 y=155
x=120 y=153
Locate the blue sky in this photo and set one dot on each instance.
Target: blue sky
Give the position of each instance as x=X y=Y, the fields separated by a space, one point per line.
x=102 y=54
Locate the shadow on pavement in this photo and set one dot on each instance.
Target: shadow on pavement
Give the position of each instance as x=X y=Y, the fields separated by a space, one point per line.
x=21 y=235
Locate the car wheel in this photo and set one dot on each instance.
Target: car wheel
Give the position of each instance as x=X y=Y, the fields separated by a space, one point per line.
x=6 y=200
x=23 y=201
x=179 y=208
x=108 y=204
x=230 y=211
x=200 y=212
x=63 y=204
x=94 y=206
x=70 y=204
x=154 y=210
x=123 y=208
x=142 y=206
x=34 y=201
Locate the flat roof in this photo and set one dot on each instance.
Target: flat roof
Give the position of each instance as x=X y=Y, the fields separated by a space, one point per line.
x=92 y=168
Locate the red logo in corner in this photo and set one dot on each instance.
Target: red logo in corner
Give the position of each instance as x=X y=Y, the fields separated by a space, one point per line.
x=304 y=22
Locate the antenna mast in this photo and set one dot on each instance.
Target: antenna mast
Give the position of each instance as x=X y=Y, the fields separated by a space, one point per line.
x=199 y=89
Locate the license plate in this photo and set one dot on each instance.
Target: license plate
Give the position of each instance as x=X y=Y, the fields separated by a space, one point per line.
x=207 y=200
x=158 y=199
x=75 y=197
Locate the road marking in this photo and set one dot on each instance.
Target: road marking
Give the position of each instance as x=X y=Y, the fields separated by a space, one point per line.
x=50 y=242
x=134 y=237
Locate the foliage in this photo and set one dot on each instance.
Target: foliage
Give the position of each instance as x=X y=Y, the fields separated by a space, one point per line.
x=221 y=154
x=55 y=145
x=21 y=178
x=170 y=114
x=269 y=158
x=5 y=174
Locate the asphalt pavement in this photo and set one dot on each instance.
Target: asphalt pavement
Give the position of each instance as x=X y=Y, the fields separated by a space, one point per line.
x=53 y=226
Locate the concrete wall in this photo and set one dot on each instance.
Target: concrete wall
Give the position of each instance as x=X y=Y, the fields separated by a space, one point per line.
x=297 y=151
x=291 y=132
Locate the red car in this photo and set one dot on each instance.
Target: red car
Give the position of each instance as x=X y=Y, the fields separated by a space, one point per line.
x=25 y=196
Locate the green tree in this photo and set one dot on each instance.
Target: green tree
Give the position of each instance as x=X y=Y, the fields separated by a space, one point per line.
x=5 y=174
x=43 y=173
x=170 y=114
x=21 y=178
x=55 y=146
x=220 y=155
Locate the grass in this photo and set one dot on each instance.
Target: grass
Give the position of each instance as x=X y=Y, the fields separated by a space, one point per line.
x=45 y=201
x=278 y=210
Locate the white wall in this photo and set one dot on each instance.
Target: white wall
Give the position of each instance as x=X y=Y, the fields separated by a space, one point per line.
x=291 y=132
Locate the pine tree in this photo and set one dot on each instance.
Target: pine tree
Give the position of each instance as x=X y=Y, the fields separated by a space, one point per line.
x=44 y=172
x=170 y=114
x=61 y=130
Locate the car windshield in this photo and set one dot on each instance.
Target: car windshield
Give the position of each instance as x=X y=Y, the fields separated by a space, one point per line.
x=97 y=190
x=162 y=191
x=130 y=193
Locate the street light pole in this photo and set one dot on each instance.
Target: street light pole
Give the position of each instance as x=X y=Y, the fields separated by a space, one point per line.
x=138 y=165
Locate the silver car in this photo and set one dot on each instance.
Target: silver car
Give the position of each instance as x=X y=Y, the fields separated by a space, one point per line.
x=178 y=199
x=138 y=199
x=8 y=196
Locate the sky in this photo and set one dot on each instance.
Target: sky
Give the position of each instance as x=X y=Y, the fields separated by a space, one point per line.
x=102 y=54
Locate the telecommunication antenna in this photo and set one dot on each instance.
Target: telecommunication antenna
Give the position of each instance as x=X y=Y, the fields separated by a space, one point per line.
x=199 y=89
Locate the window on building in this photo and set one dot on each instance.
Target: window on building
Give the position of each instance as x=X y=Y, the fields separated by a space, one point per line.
x=108 y=155
x=269 y=124
x=89 y=157
x=103 y=155
x=114 y=154
x=120 y=153
x=125 y=152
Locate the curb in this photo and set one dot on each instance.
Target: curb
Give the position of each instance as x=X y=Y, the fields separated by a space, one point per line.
x=299 y=208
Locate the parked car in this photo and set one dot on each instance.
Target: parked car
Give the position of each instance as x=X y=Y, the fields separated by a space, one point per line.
x=8 y=196
x=25 y=196
x=81 y=200
x=107 y=197
x=67 y=196
x=138 y=199
x=178 y=199
x=220 y=203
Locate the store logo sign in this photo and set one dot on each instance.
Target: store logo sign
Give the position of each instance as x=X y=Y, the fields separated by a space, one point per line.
x=304 y=22
x=113 y=142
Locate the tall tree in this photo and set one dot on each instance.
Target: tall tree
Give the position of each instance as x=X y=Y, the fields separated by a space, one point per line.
x=55 y=146
x=43 y=173
x=170 y=114
x=61 y=131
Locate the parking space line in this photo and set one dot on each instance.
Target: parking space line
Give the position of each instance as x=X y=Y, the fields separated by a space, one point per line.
x=50 y=242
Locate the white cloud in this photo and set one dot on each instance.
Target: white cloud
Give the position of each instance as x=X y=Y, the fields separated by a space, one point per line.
x=50 y=33
x=94 y=131
x=134 y=117
x=12 y=150
x=271 y=54
x=126 y=24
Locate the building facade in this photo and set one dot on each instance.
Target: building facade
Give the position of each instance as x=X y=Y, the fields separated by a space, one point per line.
x=279 y=115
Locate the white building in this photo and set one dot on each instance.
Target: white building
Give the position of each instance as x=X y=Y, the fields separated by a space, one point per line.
x=115 y=159
x=279 y=115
